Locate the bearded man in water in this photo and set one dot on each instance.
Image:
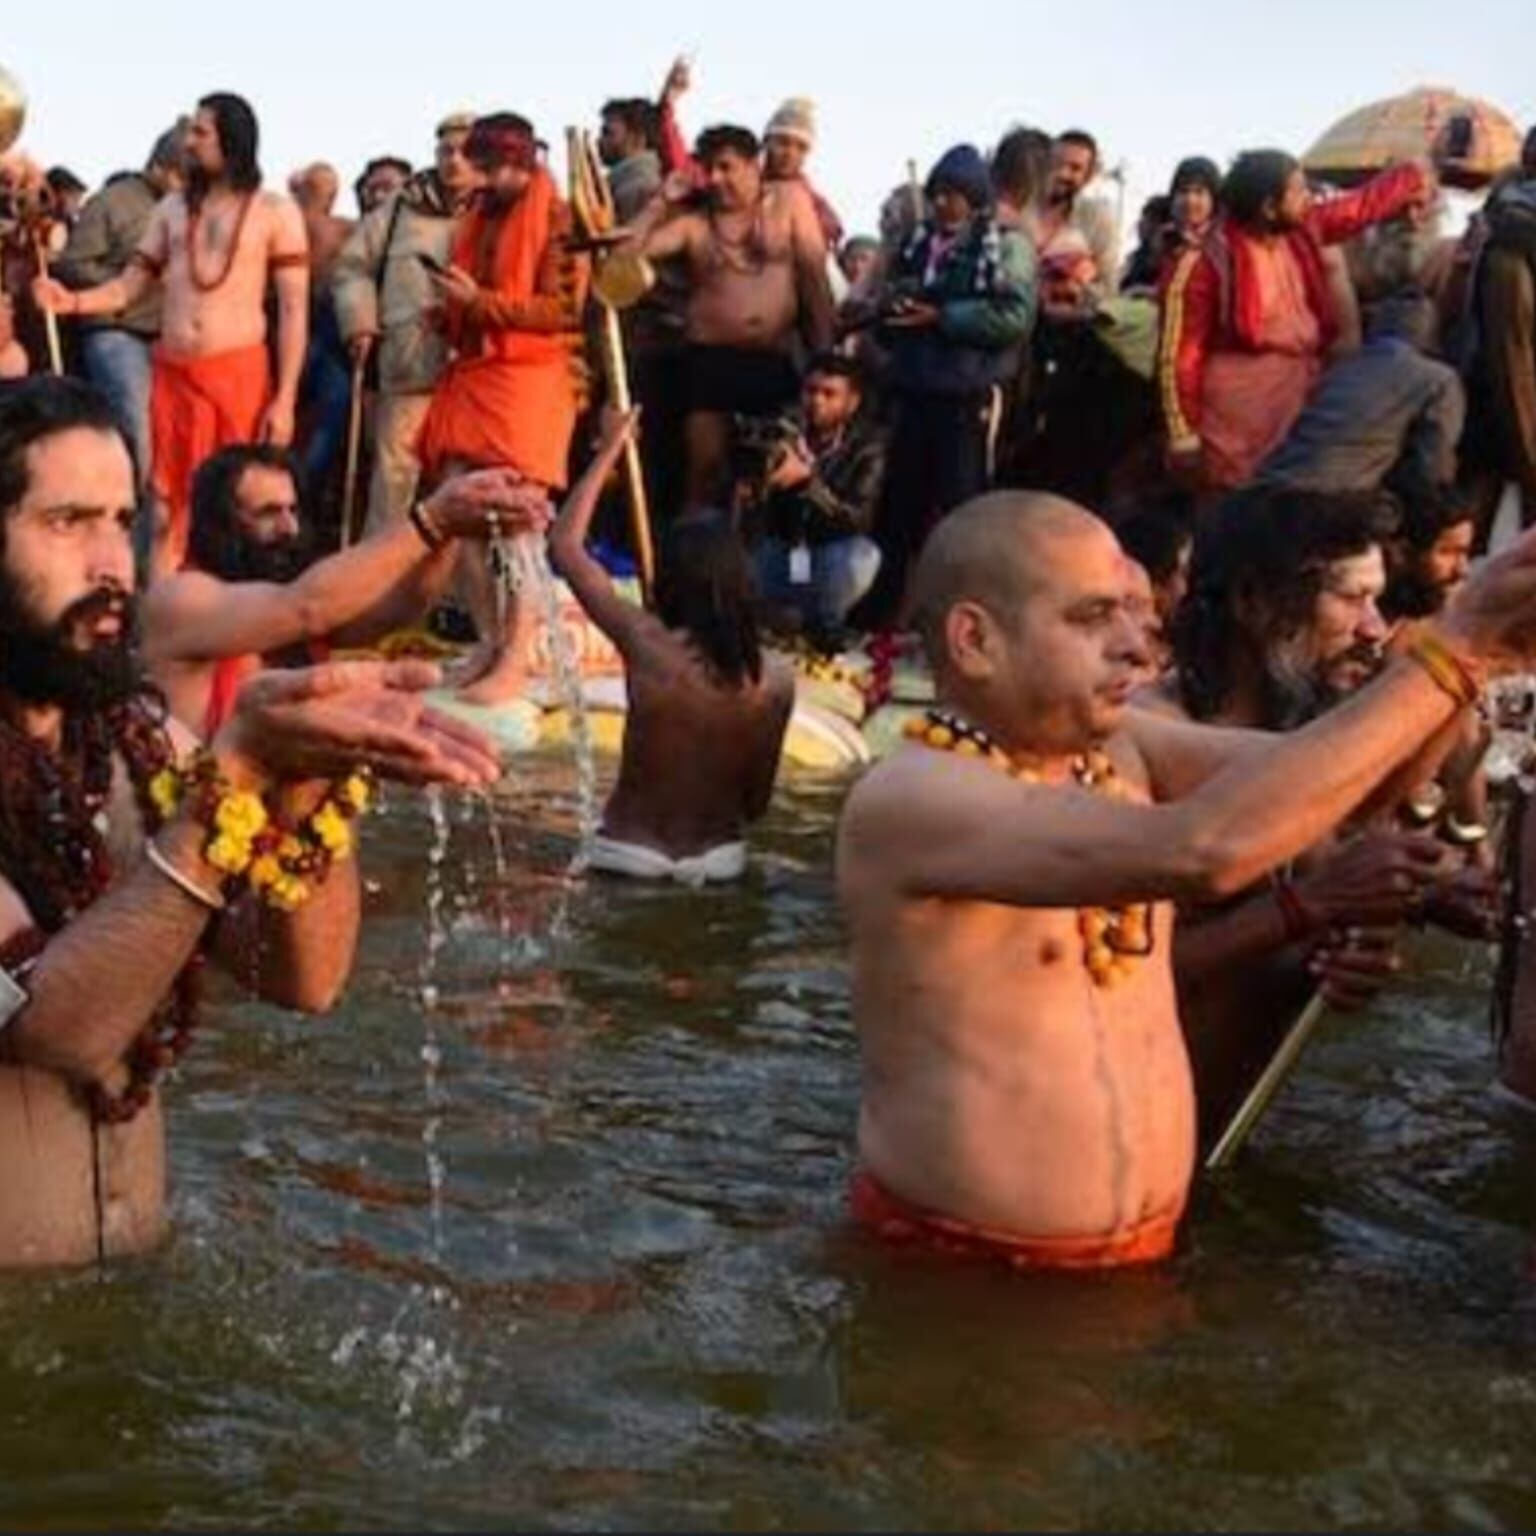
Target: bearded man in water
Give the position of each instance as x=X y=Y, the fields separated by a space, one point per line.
x=1009 y=878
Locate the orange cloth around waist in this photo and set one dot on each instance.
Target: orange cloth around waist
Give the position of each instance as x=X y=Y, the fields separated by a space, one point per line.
x=890 y=1217
x=500 y=411
x=198 y=405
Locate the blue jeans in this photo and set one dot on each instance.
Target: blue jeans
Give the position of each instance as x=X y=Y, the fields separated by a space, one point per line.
x=117 y=363
x=842 y=571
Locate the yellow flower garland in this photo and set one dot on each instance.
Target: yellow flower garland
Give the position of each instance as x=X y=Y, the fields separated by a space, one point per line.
x=279 y=863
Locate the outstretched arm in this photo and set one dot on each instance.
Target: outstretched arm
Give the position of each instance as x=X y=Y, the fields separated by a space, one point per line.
x=568 y=554
x=195 y=617
x=973 y=833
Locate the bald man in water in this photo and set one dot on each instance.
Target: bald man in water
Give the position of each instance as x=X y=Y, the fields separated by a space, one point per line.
x=1009 y=883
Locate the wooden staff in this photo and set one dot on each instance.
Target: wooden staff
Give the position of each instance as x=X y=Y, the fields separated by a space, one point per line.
x=1281 y=1065
x=50 y=320
x=915 y=193
x=354 y=449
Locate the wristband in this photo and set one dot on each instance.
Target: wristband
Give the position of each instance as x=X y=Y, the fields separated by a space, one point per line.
x=158 y=861
x=426 y=527
x=1464 y=834
x=1450 y=673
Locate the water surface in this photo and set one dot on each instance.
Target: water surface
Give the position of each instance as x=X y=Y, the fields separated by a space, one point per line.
x=639 y=1307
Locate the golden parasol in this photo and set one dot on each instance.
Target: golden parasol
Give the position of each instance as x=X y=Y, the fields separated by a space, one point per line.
x=1470 y=140
x=13 y=110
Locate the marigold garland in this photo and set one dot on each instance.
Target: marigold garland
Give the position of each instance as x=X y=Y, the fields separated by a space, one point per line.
x=248 y=841
x=1112 y=937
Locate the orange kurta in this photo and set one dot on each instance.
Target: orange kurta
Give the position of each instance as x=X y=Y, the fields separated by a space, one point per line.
x=198 y=405
x=509 y=396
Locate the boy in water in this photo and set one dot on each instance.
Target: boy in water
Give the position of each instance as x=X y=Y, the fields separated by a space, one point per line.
x=707 y=711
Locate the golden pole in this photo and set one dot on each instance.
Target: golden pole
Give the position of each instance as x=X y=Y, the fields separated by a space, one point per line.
x=1280 y=1067
x=592 y=205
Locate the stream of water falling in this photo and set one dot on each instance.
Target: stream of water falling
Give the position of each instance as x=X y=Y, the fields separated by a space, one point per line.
x=431 y=1045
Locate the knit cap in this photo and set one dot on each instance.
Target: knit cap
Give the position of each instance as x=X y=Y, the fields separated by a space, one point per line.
x=963 y=170
x=795 y=119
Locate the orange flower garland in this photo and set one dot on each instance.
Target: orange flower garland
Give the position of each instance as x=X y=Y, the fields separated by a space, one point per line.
x=1112 y=937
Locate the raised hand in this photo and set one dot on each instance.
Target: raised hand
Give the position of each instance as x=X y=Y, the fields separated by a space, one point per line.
x=1493 y=615
x=321 y=722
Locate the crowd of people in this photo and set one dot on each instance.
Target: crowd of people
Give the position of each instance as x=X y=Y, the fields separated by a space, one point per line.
x=1183 y=542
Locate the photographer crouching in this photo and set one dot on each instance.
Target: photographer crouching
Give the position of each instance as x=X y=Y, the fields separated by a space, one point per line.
x=823 y=475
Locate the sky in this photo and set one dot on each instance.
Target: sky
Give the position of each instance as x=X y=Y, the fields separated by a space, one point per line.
x=1154 y=80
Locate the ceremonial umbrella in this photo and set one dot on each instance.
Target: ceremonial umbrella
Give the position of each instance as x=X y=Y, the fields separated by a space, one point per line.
x=1470 y=140
x=13 y=110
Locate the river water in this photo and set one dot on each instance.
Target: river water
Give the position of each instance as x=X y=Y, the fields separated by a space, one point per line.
x=637 y=1305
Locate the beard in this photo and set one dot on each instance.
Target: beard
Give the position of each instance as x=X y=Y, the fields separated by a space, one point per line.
x=42 y=664
x=246 y=559
x=1295 y=693
x=1412 y=595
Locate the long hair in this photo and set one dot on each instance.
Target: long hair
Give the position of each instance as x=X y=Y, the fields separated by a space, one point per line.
x=239 y=138
x=1256 y=176
x=704 y=587
x=1260 y=563
x=215 y=543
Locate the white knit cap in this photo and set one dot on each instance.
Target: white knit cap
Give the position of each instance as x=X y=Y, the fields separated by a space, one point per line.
x=795 y=119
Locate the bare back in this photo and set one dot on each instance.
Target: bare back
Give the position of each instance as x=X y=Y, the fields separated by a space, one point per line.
x=215 y=285
x=699 y=756
x=1003 y=1087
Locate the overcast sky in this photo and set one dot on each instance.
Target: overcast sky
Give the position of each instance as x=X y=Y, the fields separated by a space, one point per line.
x=1154 y=80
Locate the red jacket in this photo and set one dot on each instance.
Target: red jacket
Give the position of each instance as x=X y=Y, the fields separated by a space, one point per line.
x=1210 y=301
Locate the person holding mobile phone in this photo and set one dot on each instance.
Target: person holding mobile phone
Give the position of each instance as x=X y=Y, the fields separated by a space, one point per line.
x=512 y=299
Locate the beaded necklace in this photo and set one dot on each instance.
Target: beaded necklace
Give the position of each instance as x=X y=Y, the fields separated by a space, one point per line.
x=194 y=220
x=1112 y=937
x=53 y=850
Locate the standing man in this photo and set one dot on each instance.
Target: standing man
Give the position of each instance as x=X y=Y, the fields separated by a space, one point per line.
x=757 y=268
x=958 y=306
x=626 y=144
x=381 y=179
x=386 y=305
x=788 y=141
x=1064 y=221
x=1247 y=313
x=325 y=390
x=214 y=247
x=514 y=299
x=1026 y=1091
x=115 y=349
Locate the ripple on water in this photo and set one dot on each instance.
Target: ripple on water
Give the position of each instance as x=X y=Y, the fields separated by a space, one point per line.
x=644 y=1311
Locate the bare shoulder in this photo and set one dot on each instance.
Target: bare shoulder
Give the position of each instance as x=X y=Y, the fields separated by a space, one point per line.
x=280 y=218
x=1160 y=698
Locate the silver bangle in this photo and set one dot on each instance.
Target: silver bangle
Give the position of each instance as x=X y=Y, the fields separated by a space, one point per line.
x=182 y=882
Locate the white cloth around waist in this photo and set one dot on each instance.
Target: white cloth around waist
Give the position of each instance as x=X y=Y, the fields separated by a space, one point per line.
x=727 y=861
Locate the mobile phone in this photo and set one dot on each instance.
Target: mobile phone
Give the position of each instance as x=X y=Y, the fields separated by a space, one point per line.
x=431 y=263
